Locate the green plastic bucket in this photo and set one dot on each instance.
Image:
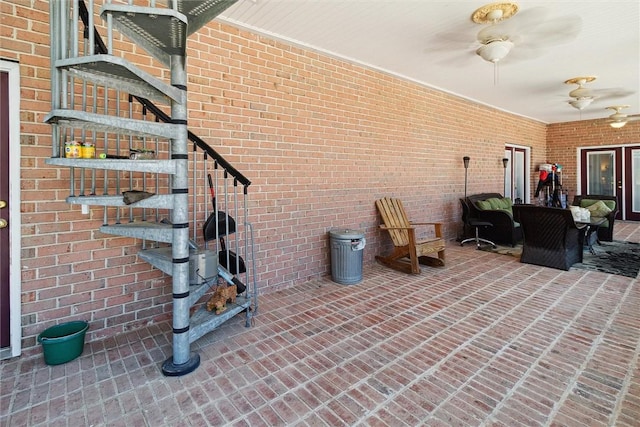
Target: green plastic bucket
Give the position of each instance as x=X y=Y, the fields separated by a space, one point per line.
x=63 y=343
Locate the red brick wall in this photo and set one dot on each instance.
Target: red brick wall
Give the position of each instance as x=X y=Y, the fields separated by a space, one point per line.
x=319 y=138
x=563 y=140
x=322 y=139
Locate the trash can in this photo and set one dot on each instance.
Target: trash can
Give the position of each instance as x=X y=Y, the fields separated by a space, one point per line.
x=346 y=255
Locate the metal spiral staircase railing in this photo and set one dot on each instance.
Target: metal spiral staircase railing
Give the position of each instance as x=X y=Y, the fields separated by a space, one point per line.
x=115 y=140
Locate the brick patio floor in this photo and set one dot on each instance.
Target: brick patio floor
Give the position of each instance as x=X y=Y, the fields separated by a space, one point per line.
x=485 y=340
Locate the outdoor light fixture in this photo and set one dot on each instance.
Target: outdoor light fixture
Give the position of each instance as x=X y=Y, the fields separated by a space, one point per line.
x=465 y=160
x=505 y=162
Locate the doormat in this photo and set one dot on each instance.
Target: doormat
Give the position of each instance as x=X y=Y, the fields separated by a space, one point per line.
x=617 y=257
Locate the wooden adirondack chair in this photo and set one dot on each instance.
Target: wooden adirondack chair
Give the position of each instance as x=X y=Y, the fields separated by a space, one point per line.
x=408 y=253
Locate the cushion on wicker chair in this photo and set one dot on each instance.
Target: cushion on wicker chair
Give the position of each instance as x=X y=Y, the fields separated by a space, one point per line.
x=505 y=230
x=599 y=209
x=494 y=203
x=605 y=230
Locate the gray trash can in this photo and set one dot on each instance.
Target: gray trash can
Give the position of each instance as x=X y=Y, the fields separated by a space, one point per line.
x=347 y=247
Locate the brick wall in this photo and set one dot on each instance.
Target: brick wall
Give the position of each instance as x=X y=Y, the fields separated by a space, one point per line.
x=322 y=139
x=563 y=140
x=319 y=138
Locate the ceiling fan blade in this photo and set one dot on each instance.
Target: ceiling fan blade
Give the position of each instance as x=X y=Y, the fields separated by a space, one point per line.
x=526 y=20
x=461 y=37
x=555 y=32
x=521 y=53
x=523 y=23
x=536 y=27
x=611 y=93
x=531 y=31
x=622 y=118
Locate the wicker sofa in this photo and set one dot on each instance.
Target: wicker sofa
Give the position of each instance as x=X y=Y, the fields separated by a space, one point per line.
x=590 y=201
x=550 y=236
x=493 y=208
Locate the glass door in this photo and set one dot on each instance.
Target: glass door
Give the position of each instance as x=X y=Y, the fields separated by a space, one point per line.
x=601 y=173
x=631 y=187
x=516 y=174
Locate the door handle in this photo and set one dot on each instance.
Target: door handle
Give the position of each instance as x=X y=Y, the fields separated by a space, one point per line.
x=3 y=223
x=619 y=184
x=3 y=204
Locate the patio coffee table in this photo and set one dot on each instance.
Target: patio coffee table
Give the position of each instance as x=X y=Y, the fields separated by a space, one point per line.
x=591 y=235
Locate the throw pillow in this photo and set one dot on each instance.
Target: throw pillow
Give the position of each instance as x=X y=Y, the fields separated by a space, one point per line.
x=483 y=205
x=503 y=203
x=585 y=203
x=507 y=204
x=580 y=214
x=599 y=209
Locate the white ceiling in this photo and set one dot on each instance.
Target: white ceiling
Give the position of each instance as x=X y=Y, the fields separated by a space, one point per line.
x=433 y=43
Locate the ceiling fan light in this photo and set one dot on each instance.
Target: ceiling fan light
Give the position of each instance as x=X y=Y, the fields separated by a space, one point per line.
x=495 y=51
x=581 y=103
x=618 y=125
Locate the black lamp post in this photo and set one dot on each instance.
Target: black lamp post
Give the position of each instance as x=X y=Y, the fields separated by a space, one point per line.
x=465 y=160
x=505 y=162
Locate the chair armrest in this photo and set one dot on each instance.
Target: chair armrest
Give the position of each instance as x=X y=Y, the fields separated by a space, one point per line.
x=384 y=227
x=436 y=225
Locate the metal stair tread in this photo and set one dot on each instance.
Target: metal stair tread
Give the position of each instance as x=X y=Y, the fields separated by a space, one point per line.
x=111 y=124
x=162 y=259
x=161 y=201
x=160 y=31
x=155 y=231
x=154 y=166
x=203 y=321
x=115 y=71
x=200 y=13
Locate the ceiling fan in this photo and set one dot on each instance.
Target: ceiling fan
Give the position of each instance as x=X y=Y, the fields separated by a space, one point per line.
x=618 y=119
x=531 y=30
x=582 y=96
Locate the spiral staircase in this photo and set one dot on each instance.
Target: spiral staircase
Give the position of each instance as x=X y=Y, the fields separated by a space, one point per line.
x=115 y=141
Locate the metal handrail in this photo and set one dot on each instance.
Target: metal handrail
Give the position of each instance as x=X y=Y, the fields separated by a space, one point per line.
x=101 y=48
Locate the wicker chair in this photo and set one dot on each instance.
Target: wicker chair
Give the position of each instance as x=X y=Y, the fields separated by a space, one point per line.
x=605 y=231
x=550 y=236
x=476 y=225
x=504 y=229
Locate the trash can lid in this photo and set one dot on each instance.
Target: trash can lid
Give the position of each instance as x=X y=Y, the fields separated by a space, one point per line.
x=346 y=233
